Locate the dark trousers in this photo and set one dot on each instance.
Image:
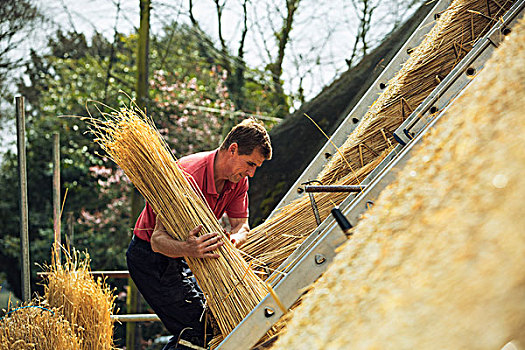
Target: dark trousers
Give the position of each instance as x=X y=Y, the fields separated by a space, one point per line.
x=168 y=286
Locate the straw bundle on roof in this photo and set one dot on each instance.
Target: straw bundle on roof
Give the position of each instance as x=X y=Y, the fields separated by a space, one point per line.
x=36 y=326
x=87 y=304
x=438 y=261
x=296 y=224
x=131 y=140
x=448 y=42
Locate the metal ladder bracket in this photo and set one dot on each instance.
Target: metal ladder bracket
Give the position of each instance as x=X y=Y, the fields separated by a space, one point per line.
x=289 y=289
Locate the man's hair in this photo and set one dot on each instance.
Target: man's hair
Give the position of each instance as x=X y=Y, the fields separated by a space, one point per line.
x=249 y=134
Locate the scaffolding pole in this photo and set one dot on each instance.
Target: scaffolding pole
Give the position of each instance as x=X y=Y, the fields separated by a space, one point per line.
x=24 y=222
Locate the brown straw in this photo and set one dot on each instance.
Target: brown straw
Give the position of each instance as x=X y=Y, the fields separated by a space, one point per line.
x=438 y=262
x=130 y=138
x=85 y=302
x=35 y=325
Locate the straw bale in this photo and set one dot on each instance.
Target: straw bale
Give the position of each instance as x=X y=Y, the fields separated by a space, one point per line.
x=438 y=261
x=87 y=304
x=34 y=326
x=451 y=38
x=129 y=138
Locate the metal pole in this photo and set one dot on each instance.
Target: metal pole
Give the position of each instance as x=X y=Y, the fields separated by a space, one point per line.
x=22 y=175
x=133 y=335
x=135 y=318
x=334 y=188
x=56 y=194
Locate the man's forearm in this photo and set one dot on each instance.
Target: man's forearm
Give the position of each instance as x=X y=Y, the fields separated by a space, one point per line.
x=240 y=228
x=163 y=243
x=239 y=231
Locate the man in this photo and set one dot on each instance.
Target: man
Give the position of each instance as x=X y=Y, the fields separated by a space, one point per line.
x=155 y=259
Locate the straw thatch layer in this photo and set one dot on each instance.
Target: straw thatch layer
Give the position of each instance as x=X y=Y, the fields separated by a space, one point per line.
x=131 y=140
x=34 y=326
x=448 y=42
x=87 y=304
x=295 y=221
x=438 y=261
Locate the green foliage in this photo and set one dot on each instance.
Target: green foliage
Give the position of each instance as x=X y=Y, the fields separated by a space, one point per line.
x=184 y=111
x=186 y=53
x=187 y=88
x=61 y=83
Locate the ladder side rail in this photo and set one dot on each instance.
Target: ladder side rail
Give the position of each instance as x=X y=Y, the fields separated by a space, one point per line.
x=289 y=289
x=440 y=98
x=460 y=76
x=359 y=206
x=306 y=246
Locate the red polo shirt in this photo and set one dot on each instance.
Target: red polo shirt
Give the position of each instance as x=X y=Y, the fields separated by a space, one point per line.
x=233 y=200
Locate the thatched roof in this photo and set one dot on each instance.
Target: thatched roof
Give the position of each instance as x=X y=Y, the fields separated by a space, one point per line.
x=438 y=261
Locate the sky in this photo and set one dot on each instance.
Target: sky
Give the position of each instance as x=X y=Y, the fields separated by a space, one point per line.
x=322 y=37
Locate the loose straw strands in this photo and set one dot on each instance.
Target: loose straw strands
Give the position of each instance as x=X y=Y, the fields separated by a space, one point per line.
x=129 y=138
x=450 y=40
x=87 y=304
x=36 y=326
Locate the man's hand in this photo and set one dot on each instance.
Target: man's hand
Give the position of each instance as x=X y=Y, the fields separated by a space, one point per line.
x=202 y=246
x=240 y=230
x=238 y=239
x=194 y=246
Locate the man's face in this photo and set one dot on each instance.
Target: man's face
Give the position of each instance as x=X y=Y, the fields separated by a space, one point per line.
x=243 y=165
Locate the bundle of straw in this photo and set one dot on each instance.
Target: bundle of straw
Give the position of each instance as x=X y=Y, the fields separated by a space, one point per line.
x=267 y=252
x=87 y=304
x=129 y=138
x=438 y=262
x=36 y=326
x=452 y=37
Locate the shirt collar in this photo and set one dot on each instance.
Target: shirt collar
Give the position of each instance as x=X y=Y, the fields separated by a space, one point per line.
x=210 y=174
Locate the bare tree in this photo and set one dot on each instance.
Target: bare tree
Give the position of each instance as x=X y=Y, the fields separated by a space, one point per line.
x=364 y=10
x=205 y=45
x=238 y=78
x=15 y=17
x=235 y=65
x=282 y=38
x=302 y=44
x=219 y=6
